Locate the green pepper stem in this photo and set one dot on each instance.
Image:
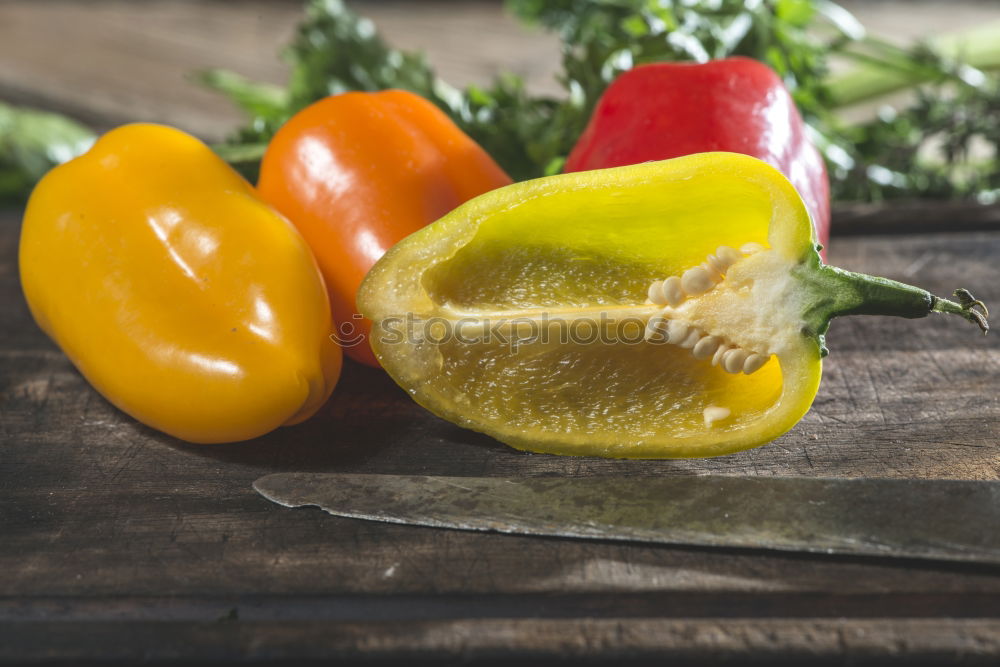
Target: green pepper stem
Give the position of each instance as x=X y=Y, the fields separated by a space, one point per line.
x=834 y=292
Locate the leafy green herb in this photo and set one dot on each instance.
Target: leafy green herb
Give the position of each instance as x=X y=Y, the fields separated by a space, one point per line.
x=31 y=143
x=335 y=50
x=943 y=146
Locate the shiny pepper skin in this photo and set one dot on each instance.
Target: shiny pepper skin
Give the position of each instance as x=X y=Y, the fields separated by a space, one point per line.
x=358 y=172
x=739 y=105
x=182 y=297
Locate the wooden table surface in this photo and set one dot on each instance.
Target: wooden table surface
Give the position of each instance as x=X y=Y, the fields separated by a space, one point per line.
x=120 y=542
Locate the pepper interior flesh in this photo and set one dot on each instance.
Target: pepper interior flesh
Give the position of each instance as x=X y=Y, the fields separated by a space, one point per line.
x=668 y=309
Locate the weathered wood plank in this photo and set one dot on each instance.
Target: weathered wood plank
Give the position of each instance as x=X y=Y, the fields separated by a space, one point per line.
x=367 y=607
x=495 y=642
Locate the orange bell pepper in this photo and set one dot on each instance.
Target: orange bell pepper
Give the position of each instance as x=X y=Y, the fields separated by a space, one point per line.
x=358 y=172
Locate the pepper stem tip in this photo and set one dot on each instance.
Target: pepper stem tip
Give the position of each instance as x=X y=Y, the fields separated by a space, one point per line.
x=968 y=307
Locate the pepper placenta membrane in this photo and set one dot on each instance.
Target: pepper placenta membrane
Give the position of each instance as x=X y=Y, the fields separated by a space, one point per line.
x=182 y=298
x=358 y=172
x=739 y=105
x=668 y=309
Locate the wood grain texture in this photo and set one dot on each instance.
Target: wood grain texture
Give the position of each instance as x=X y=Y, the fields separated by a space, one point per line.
x=614 y=641
x=117 y=539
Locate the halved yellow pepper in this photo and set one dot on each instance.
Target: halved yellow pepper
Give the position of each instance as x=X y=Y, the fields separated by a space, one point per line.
x=668 y=309
x=185 y=300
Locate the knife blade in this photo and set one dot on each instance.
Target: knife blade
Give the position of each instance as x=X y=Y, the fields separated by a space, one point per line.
x=943 y=520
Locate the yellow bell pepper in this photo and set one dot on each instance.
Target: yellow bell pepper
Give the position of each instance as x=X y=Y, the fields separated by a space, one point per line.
x=182 y=298
x=668 y=309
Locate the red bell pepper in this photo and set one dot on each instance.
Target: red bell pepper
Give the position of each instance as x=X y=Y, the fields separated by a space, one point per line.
x=665 y=110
